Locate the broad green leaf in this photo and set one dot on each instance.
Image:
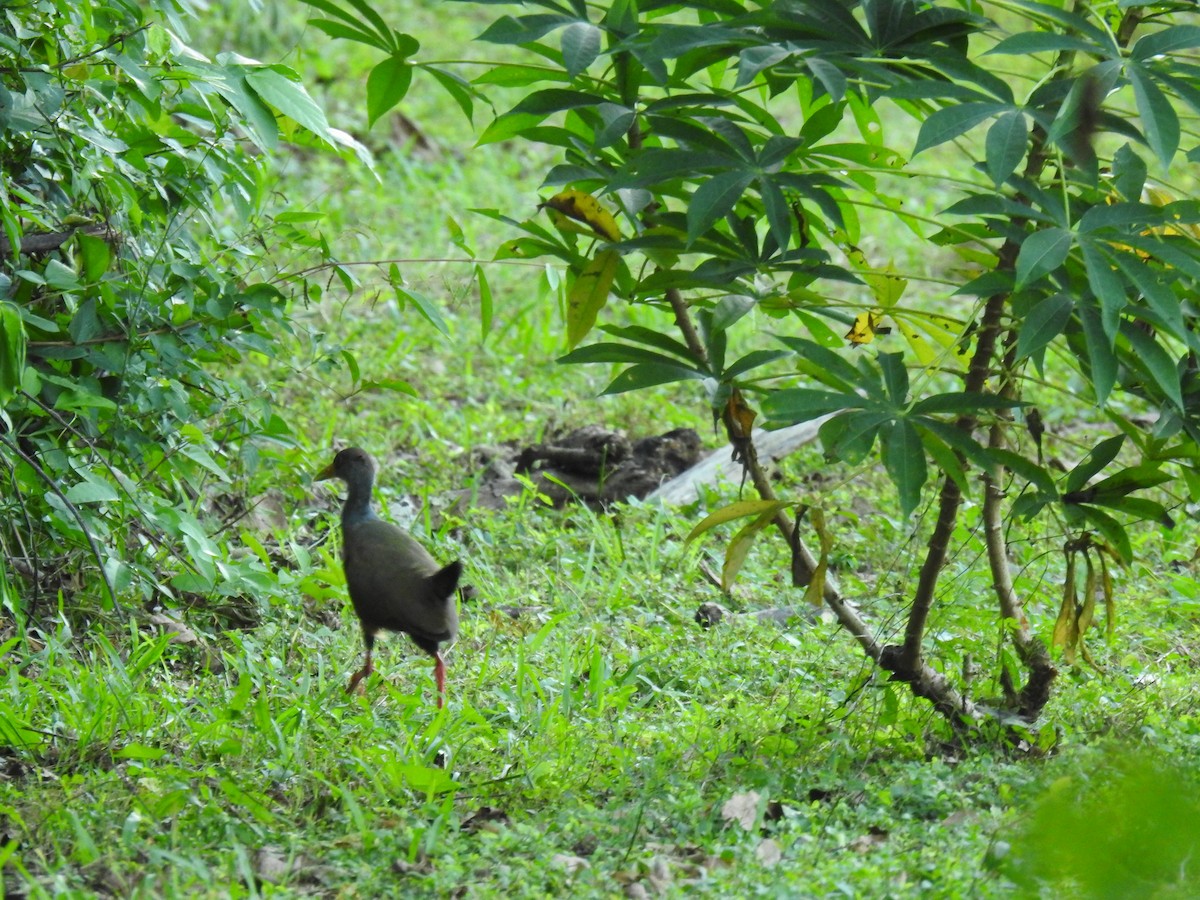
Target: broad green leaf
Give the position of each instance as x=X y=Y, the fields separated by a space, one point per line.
x=280 y=87
x=589 y=293
x=945 y=460
x=1120 y=216
x=731 y=309
x=1106 y=284
x=1139 y=507
x=952 y=121
x=649 y=374
x=651 y=338
x=1129 y=173
x=1183 y=257
x=387 y=84
x=346 y=32
x=580 y=47
x=1044 y=323
x=1161 y=43
x=1041 y=42
x=517 y=75
x=372 y=22
x=1025 y=468
x=1157 y=293
x=454 y=85
x=850 y=437
x=427 y=308
x=829 y=76
x=508 y=126
x=12 y=350
x=713 y=199
x=753 y=360
x=823 y=363
x=1041 y=253
x=1135 y=478
x=895 y=377
x=904 y=459
x=792 y=405
x=523 y=30
x=962 y=402
x=1160 y=124
x=1151 y=356
x=96 y=255
x=779 y=214
x=609 y=352
x=94 y=490
x=1098 y=457
x=1101 y=357
x=1005 y=145
x=552 y=100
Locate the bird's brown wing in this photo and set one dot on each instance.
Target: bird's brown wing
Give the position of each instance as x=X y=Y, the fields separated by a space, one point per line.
x=395 y=584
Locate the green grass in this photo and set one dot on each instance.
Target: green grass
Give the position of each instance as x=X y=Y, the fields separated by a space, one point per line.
x=589 y=746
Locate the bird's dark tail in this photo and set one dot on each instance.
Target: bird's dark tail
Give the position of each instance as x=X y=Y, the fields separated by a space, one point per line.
x=443 y=582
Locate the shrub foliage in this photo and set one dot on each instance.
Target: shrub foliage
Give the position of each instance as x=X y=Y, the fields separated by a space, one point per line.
x=719 y=158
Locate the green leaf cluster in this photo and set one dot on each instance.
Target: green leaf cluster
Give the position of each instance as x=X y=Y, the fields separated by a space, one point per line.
x=136 y=281
x=739 y=146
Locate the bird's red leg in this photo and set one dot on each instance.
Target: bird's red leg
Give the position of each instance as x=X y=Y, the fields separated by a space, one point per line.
x=362 y=673
x=439 y=674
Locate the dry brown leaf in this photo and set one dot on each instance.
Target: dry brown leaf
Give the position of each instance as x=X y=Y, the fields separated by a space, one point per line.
x=177 y=628
x=866 y=842
x=659 y=875
x=742 y=809
x=572 y=864
x=768 y=853
x=486 y=818
x=272 y=864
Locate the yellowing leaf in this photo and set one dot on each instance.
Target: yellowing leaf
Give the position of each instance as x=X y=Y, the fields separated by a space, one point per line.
x=740 y=510
x=936 y=342
x=581 y=206
x=589 y=293
x=886 y=286
x=815 y=594
x=865 y=327
x=739 y=417
x=739 y=547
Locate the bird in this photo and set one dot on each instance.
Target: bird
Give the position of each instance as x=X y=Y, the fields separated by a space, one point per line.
x=394 y=584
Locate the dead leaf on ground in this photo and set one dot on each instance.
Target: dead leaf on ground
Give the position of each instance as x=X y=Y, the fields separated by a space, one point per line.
x=865 y=843
x=768 y=853
x=421 y=866
x=742 y=809
x=961 y=817
x=659 y=875
x=274 y=865
x=174 y=626
x=572 y=864
x=486 y=818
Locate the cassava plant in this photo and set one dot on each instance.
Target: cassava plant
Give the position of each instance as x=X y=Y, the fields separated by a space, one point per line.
x=720 y=158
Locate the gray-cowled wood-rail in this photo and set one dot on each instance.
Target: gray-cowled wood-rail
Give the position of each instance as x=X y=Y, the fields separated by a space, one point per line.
x=394 y=584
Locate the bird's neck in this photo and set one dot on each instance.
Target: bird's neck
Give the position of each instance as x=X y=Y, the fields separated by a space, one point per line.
x=357 y=507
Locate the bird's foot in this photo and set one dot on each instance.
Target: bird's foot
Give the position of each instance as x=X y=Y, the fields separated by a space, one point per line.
x=357 y=677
